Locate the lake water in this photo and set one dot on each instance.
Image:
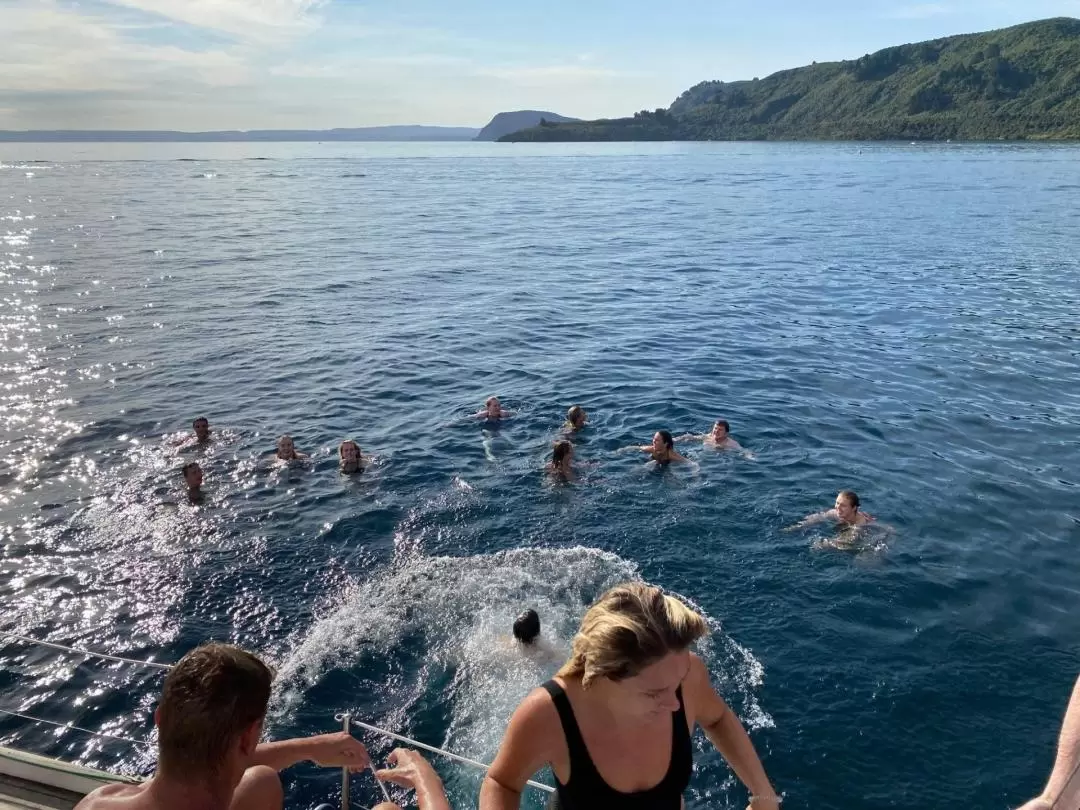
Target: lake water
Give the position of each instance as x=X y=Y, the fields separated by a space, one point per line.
x=900 y=320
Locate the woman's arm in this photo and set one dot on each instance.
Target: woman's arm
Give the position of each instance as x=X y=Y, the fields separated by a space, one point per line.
x=1063 y=788
x=725 y=732
x=522 y=753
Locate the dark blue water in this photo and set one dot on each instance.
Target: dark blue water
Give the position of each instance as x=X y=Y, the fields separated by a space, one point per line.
x=899 y=320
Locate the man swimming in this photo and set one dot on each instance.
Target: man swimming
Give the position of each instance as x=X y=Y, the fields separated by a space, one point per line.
x=351 y=459
x=662 y=449
x=845 y=511
x=718 y=437
x=193 y=477
x=286 y=450
x=493 y=411
x=201 y=434
x=527 y=626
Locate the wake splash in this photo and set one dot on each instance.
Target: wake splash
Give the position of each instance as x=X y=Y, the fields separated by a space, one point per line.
x=437 y=630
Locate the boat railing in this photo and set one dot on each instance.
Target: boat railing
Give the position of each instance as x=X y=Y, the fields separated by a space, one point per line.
x=347 y=720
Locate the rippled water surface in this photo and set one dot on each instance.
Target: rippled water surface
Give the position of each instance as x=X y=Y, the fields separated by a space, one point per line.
x=900 y=320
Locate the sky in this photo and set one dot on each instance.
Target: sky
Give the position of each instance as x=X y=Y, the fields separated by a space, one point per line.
x=318 y=64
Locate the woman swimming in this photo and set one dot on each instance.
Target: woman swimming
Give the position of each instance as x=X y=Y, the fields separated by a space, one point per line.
x=493 y=411
x=576 y=419
x=615 y=723
x=352 y=461
x=286 y=450
x=562 y=458
x=662 y=449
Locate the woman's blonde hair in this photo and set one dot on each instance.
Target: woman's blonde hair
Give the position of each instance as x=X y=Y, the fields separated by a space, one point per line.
x=628 y=628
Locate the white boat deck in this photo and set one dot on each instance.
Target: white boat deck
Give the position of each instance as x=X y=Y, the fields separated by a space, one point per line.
x=32 y=782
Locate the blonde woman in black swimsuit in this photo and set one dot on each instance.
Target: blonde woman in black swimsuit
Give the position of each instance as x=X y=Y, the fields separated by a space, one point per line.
x=615 y=723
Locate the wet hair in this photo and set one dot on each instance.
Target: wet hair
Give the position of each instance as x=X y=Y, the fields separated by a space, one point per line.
x=200 y=419
x=527 y=626
x=665 y=436
x=575 y=415
x=851 y=498
x=723 y=423
x=341 y=447
x=628 y=628
x=560 y=451
x=191 y=465
x=489 y=400
x=212 y=696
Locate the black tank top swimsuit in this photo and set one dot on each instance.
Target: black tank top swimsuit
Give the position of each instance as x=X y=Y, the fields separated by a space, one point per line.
x=587 y=789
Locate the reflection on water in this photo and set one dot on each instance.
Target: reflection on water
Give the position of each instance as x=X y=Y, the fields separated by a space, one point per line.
x=897 y=320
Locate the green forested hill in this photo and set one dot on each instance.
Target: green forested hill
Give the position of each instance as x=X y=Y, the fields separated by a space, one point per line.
x=1020 y=82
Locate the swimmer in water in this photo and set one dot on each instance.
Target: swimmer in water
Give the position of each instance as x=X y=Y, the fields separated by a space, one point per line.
x=537 y=648
x=493 y=411
x=351 y=459
x=286 y=450
x=845 y=511
x=662 y=449
x=576 y=419
x=201 y=435
x=562 y=460
x=193 y=476
x=527 y=626
x=718 y=438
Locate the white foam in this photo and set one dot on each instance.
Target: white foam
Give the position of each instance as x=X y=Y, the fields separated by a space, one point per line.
x=460 y=611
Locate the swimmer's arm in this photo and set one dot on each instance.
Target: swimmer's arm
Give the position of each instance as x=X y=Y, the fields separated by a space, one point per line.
x=727 y=734
x=1063 y=788
x=692 y=437
x=810 y=520
x=521 y=754
x=640 y=448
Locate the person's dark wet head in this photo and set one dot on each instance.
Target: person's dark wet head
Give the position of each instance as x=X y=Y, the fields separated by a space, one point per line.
x=527 y=626
x=720 y=431
x=193 y=477
x=562 y=456
x=201 y=426
x=576 y=418
x=663 y=445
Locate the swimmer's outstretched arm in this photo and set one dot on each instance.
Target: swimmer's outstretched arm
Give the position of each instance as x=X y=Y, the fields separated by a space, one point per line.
x=692 y=437
x=1062 y=791
x=810 y=520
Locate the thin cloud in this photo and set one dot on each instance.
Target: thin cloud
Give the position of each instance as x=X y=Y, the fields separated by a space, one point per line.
x=920 y=11
x=240 y=18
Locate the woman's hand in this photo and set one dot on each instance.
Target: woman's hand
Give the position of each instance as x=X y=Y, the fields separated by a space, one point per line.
x=411 y=770
x=764 y=803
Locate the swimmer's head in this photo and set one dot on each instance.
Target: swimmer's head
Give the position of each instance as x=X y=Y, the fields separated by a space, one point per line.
x=561 y=454
x=720 y=430
x=847 y=505
x=527 y=626
x=192 y=475
x=576 y=417
x=636 y=638
x=201 y=426
x=286 y=448
x=349 y=452
x=663 y=442
x=492 y=406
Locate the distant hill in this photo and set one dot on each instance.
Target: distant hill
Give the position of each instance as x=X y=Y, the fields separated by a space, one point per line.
x=507 y=123
x=392 y=133
x=1015 y=83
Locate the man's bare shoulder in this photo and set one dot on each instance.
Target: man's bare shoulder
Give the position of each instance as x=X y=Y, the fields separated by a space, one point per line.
x=116 y=797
